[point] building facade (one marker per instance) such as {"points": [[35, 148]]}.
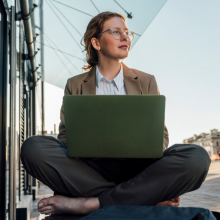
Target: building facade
{"points": [[210, 141], [20, 108]]}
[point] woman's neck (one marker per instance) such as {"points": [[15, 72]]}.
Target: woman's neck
{"points": [[109, 69]]}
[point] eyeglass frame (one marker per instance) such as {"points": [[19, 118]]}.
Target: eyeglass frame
{"points": [[132, 32]]}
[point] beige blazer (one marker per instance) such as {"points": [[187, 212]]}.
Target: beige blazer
{"points": [[136, 83]]}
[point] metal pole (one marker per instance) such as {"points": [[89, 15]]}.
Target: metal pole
{"points": [[42, 65], [32, 180], [12, 142], [3, 112], [34, 108], [25, 11], [32, 17]]}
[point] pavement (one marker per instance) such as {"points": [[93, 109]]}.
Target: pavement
{"points": [[43, 191], [207, 196]]}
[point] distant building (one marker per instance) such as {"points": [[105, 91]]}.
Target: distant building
{"points": [[210, 141], [52, 133]]}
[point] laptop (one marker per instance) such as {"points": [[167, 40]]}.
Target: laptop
{"points": [[114, 126]]}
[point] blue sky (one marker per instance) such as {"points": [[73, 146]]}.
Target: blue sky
{"points": [[181, 48]]}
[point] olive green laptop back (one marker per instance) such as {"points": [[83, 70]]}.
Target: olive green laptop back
{"points": [[114, 126]]}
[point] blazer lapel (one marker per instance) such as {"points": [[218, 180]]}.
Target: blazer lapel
{"points": [[132, 83]]}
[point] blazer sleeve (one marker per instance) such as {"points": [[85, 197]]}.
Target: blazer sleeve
{"points": [[153, 89], [62, 131]]}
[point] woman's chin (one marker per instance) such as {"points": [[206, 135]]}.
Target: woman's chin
{"points": [[124, 55]]}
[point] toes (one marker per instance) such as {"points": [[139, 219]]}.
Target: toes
{"points": [[165, 203], [46, 205], [46, 212], [168, 203], [40, 204], [173, 203], [46, 208], [177, 199], [43, 202]]}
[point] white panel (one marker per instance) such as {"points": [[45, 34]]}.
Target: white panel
{"points": [[58, 68]]}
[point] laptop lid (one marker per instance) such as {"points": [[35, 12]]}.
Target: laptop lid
{"points": [[114, 126]]}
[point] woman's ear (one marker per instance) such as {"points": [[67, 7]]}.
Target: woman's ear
{"points": [[95, 43]]}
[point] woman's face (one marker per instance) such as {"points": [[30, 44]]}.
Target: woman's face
{"points": [[109, 46]]}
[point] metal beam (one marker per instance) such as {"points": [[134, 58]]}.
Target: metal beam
{"points": [[25, 13], [42, 64], [3, 108], [12, 130]]}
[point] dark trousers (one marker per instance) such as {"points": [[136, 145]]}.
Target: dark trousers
{"points": [[182, 169]]}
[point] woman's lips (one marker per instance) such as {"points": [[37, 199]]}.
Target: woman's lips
{"points": [[123, 47]]}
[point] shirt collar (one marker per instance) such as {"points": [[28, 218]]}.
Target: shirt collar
{"points": [[119, 79]]}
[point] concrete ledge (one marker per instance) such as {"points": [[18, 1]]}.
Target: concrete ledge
{"points": [[24, 208]]}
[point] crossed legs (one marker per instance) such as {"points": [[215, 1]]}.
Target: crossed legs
{"points": [[182, 169]]}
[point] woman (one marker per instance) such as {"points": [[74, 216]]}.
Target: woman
{"points": [[83, 186]]}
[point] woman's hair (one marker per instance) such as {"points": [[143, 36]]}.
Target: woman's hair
{"points": [[95, 27]]}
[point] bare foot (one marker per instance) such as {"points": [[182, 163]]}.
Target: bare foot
{"points": [[65, 205], [171, 202]]}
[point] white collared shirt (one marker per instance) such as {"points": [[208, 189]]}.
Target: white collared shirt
{"points": [[114, 86]]}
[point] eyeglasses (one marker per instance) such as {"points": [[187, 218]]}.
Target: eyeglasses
{"points": [[117, 33]]}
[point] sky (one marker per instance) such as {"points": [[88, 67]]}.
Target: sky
{"points": [[181, 48]]}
